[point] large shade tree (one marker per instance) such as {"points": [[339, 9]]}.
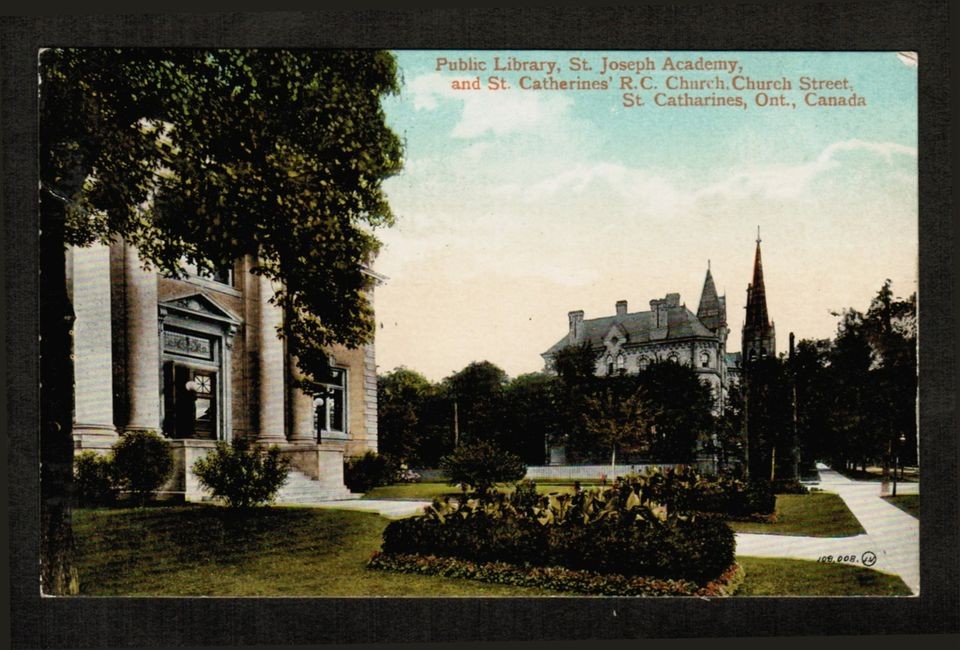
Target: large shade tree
{"points": [[203, 156]]}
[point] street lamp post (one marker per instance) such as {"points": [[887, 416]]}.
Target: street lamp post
{"points": [[896, 461]]}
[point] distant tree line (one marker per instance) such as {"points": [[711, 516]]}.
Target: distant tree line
{"points": [[849, 401], [663, 413], [857, 393]]}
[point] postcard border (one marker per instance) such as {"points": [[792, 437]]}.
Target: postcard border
{"points": [[85, 622]]}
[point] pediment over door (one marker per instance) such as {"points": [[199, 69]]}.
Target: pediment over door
{"points": [[198, 305]]}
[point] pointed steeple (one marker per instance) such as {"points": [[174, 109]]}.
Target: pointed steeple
{"points": [[709, 311], [758, 332]]}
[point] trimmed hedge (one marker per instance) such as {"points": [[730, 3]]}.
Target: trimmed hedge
{"points": [[558, 578]]}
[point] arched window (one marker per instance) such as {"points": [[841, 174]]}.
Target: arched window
{"points": [[644, 362], [673, 358], [609, 365], [621, 363], [704, 359]]}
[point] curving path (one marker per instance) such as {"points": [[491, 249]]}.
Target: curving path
{"points": [[892, 535], [385, 507]]}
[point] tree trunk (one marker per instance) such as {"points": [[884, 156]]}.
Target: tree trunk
{"points": [[58, 574]]}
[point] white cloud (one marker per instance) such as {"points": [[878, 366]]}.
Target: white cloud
{"points": [[790, 181], [483, 111], [657, 195]]}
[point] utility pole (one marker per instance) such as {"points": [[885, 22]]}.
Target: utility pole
{"points": [[794, 437], [456, 425]]}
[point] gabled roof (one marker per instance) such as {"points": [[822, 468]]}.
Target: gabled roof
{"points": [[640, 326], [202, 306]]}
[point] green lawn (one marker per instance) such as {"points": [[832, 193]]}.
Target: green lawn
{"points": [[909, 503], [208, 551], [819, 514], [776, 577]]}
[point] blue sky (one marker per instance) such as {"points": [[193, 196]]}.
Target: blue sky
{"points": [[517, 206]]}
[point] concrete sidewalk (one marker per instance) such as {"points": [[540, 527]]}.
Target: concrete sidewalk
{"points": [[384, 507], [891, 543]]}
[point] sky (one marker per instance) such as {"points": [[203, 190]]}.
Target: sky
{"points": [[517, 205]]}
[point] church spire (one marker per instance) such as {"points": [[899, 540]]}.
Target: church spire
{"points": [[709, 311], [758, 332]]}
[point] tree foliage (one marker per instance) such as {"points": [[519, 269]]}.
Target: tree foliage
{"points": [[477, 391], [400, 397], [856, 393], [683, 410], [620, 416], [206, 156]]}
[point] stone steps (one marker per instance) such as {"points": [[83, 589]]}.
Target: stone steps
{"points": [[300, 488]]}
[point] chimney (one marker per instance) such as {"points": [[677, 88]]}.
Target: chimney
{"points": [[673, 300], [576, 326], [658, 308], [621, 308]]}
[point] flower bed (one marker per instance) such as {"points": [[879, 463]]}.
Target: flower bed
{"points": [[558, 578]]}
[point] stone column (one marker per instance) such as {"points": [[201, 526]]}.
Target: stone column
{"points": [[271, 376], [143, 344], [301, 408], [93, 426]]}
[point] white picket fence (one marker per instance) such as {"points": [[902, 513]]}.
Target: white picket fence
{"points": [[581, 472], [542, 472]]}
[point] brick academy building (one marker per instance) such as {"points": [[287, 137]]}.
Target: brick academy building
{"points": [[199, 360], [628, 342]]}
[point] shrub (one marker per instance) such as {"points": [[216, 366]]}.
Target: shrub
{"points": [[480, 465], [683, 490], [242, 474], [371, 470], [94, 479], [142, 461]]}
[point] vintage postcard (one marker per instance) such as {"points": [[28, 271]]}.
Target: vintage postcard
{"points": [[376, 341], [484, 323]]}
